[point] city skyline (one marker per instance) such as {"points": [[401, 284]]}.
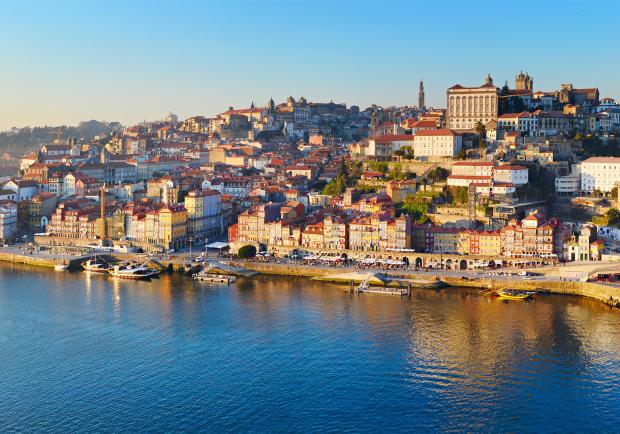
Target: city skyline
{"points": [[128, 63]]}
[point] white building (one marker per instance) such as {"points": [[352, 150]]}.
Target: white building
{"points": [[24, 189], [523, 122], [600, 173], [475, 168], [385, 145], [434, 145], [468, 105], [569, 184], [517, 175], [8, 220]]}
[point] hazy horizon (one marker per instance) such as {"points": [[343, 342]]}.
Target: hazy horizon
{"points": [[71, 61]]}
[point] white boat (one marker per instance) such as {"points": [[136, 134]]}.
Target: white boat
{"points": [[95, 267], [215, 278], [62, 265], [132, 271]]}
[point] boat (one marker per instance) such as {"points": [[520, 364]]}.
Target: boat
{"points": [[132, 271], [61, 267], [215, 278], [93, 266], [514, 294]]}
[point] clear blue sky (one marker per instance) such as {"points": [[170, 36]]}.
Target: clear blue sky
{"points": [[64, 61]]}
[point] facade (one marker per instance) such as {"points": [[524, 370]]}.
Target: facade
{"points": [[204, 214], [436, 145], [531, 237], [514, 174], [8, 220], [600, 173], [468, 105]]}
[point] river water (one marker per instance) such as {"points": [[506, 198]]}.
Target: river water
{"points": [[86, 353]]}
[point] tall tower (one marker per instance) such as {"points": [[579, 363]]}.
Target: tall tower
{"points": [[524, 82], [374, 123], [421, 95]]}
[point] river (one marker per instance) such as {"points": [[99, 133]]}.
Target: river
{"points": [[88, 353]]}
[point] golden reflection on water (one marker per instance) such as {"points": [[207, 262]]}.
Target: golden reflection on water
{"points": [[448, 327]]}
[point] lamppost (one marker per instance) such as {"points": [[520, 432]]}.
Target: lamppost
{"points": [[190, 239]]}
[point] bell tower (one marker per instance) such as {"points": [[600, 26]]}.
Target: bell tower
{"points": [[421, 104]]}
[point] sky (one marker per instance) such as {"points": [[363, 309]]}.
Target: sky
{"points": [[65, 61]]}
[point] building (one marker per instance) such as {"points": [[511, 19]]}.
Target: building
{"points": [[532, 237], [383, 146], [513, 174], [569, 184], [204, 214], [8, 220], [524, 82], [167, 227], [600, 173], [468, 105], [435, 145]]}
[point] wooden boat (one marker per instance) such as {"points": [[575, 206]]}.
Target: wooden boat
{"points": [[93, 266], [514, 294], [132, 271]]}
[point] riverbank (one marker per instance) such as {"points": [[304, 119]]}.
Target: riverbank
{"points": [[609, 294]]}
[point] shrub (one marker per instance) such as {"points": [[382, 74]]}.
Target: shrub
{"points": [[247, 251]]}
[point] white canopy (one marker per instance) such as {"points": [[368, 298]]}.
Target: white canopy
{"points": [[217, 245]]}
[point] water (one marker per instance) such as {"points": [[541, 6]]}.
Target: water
{"points": [[84, 354]]}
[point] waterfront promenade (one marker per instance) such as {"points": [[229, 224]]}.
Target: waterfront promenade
{"points": [[555, 279]]}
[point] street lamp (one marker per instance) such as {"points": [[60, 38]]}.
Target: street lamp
{"points": [[190, 239]]}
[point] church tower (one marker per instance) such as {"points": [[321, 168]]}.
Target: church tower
{"points": [[524, 82], [421, 104], [374, 123]]}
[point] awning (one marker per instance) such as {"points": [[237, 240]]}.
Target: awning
{"points": [[217, 245]]}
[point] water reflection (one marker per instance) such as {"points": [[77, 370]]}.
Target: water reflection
{"points": [[248, 356]]}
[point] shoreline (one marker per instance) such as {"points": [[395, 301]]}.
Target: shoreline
{"points": [[607, 294]]}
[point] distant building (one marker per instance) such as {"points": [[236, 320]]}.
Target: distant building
{"points": [[468, 105], [434, 145], [600, 173]]}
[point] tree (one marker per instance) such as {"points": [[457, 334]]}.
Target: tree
{"points": [[247, 251], [417, 209], [408, 152], [459, 195], [462, 155], [438, 174]]}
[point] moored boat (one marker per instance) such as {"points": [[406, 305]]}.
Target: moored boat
{"points": [[61, 267], [132, 271], [215, 278], [93, 266], [514, 294]]}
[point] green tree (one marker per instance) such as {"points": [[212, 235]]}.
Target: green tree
{"points": [[247, 251], [438, 174], [462, 155], [459, 195]]}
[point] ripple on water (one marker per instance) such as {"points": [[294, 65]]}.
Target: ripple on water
{"points": [[288, 354]]}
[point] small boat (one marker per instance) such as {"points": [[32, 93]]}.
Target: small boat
{"points": [[93, 266], [132, 271], [514, 294], [215, 278], [61, 267], [364, 286]]}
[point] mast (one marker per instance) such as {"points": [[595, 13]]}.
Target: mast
{"points": [[102, 234]]}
